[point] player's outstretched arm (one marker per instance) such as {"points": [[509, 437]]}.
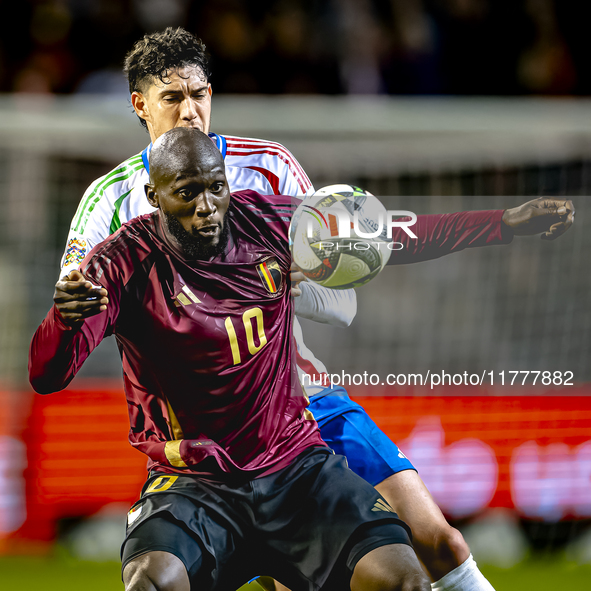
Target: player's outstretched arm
{"points": [[550, 216], [76, 298], [443, 234]]}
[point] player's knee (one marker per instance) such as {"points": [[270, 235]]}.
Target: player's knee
{"points": [[390, 568], [451, 547], [397, 581], [413, 581], [156, 571]]}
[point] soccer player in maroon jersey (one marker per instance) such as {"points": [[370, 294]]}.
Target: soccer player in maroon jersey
{"points": [[440, 547], [240, 481], [187, 101]]}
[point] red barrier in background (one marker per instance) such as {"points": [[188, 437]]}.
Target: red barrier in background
{"points": [[12, 462], [541, 447], [79, 459]]}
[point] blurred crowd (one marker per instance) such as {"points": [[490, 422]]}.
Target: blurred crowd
{"points": [[475, 47]]}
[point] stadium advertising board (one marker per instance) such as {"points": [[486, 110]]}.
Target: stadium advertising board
{"points": [[530, 454]]}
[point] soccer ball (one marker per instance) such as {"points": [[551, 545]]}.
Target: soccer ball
{"points": [[338, 237]]}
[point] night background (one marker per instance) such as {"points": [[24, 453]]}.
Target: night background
{"points": [[434, 106]]}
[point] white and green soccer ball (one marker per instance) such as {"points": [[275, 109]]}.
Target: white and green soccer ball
{"points": [[338, 237]]}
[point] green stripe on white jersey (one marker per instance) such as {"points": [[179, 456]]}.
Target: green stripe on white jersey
{"points": [[116, 220], [93, 196]]}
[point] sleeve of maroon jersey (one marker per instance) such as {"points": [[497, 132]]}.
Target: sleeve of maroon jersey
{"points": [[57, 350], [443, 234]]}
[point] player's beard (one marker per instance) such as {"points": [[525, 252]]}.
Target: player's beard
{"points": [[197, 247]]}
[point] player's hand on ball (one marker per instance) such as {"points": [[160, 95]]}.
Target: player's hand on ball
{"points": [[296, 278], [550, 216], [76, 298]]}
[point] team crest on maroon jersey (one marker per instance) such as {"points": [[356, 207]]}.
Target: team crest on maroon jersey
{"points": [[271, 276]]}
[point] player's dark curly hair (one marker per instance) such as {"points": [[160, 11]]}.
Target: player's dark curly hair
{"points": [[156, 55]]}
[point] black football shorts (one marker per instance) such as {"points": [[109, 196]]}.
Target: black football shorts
{"points": [[306, 525]]}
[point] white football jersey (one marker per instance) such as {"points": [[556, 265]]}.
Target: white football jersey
{"points": [[266, 167]]}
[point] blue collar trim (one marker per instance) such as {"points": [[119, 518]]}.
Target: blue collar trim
{"points": [[146, 157], [220, 142]]}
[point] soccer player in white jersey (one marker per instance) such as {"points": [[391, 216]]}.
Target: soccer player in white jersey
{"points": [[168, 77]]}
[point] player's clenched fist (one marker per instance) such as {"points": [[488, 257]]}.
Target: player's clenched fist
{"points": [[551, 216], [76, 298]]}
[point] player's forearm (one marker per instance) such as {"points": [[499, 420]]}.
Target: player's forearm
{"points": [[443, 234], [328, 306], [56, 354]]}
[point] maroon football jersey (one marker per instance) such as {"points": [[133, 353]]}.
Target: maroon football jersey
{"points": [[207, 346], [442, 234]]}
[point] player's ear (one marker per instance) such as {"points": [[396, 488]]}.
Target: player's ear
{"points": [[151, 195], [138, 102]]}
